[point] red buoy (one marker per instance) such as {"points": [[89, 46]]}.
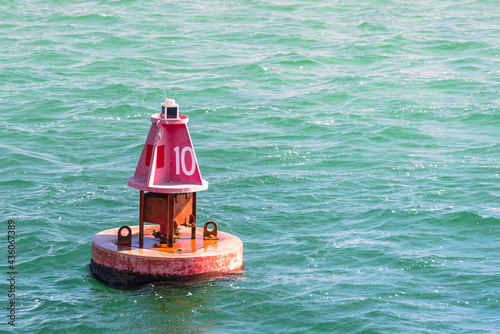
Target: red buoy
{"points": [[168, 177]]}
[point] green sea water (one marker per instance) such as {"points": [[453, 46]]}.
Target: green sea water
{"points": [[353, 146]]}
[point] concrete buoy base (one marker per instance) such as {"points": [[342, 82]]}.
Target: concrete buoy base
{"points": [[154, 262]]}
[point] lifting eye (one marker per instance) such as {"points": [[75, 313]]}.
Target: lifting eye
{"points": [[124, 239], [212, 233]]}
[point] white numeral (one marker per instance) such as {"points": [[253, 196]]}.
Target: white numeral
{"points": [[180, 161]]}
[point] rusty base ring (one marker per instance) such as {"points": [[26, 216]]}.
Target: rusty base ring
{"points": [[124, 279], [188, 259]]}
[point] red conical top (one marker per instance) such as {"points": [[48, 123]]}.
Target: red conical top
{"points": [[168, 163]]}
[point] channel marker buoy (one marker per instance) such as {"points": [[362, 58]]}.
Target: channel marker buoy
{"points": [[168, 178]]}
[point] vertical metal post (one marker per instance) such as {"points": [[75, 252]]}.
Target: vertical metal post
{"points": [[141, 219], [193, 227], [170, 220]]}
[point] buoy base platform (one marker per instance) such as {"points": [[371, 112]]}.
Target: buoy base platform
{"points": [[153, 262]]}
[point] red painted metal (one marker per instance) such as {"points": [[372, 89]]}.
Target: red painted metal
{"points": [[168, 163], [187, 257], [168, 177]]}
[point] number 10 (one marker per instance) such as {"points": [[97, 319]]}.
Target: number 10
{"points": [[180, 161]]}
